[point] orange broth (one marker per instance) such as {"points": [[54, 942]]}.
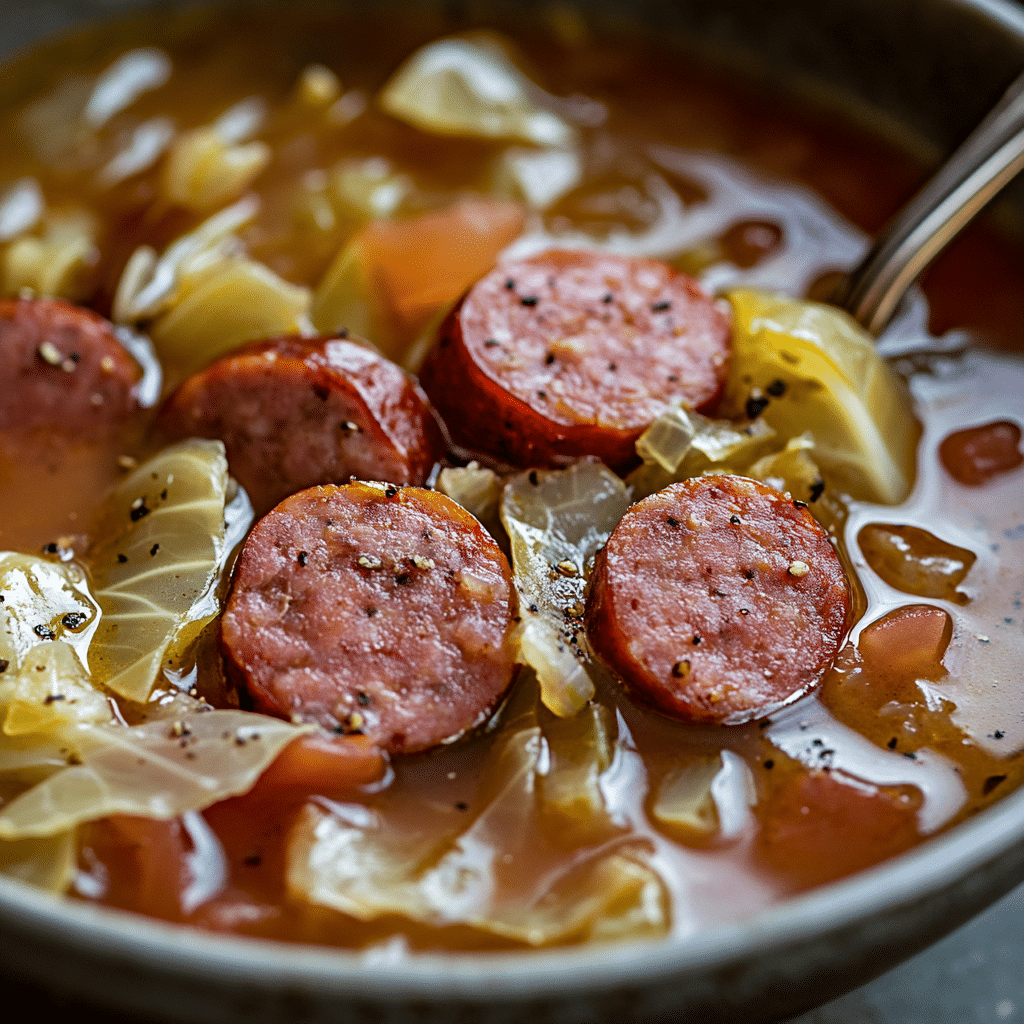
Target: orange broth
{"points": [[956, 687]]}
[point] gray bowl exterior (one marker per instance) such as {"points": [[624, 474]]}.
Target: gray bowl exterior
{"points": [[930, 68]]}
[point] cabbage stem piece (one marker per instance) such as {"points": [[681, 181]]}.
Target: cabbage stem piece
{"points": [[156, 569], [557, 520]]}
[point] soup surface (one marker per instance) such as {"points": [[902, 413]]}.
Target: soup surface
{"points": [[200, 198]]}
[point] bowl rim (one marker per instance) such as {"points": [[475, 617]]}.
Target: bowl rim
{"points": [[900, 882]]}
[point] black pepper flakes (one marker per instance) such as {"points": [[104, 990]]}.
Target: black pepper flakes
{"points": [[769, 764], [321, 392], [549, 358], [52, 698], [660, 307], [510, 284], [50, 549], [672, 521], [776, 389], [530, 300], [252, 860], [390, 491], [302, 558], [997, 735], [892, 743], [461, 805], [756, 404], [363, 699], [490, 343], [4, 664], [122, 558], [72, 620], [403, 578], [607, 297], [138, 509], [44, 632], [533, 477], [163, 494], [371, 611], [817, 489], [735, 520], [153, 550]]}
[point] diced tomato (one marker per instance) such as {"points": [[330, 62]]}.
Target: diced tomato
{"points": [[816, 826], [326, 765]]}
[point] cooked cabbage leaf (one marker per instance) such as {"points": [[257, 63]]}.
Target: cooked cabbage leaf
{"points": [[160, 769], [355, 860], [469, 87], [557, 521], [156, 568], [815, 369], [43, 600]]}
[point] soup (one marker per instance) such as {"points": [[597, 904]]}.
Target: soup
{"points": [[202, 203]]}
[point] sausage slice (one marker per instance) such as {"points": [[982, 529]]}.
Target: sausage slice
{"points": [[293, 412], [372, 609], [61, 366], [574, 353], [718, 600]]}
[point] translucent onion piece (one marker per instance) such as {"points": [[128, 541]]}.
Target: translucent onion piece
{"points": [[469, 87], [707, 799], [43, 600], [155, 570], [557, 520], [351, 860], [476, 489], [832, 383], [236, 300], [157, 770], [791, 470], [147, 144], [681, 443], [47, 863]]}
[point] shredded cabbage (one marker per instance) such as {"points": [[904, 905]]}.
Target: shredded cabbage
{"points": [[557, 520], [356, 860], [156, 568], [47, 863], [468, 86]]}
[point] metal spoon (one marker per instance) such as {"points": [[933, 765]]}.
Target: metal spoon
{"points": [[984, 164]]}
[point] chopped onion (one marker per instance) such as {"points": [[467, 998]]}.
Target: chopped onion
{"points": [[557, 520]]}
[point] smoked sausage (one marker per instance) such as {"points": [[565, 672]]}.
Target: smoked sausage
{"points": [[293, 412], [372, 609], [718, 600], [574, 353], [62, 367]]}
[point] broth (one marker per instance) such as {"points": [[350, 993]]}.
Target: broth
{"points": [[739, 185]]}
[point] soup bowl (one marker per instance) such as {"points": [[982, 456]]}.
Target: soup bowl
{"points": [[926, 70]]}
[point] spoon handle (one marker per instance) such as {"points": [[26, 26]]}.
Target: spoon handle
{"points": [[987, 161]]}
